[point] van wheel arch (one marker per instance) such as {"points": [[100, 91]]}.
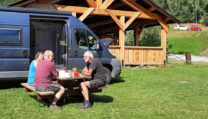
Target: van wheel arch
{"points": [[108, 66]]}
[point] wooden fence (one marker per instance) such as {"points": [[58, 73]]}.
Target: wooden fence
{"points": [[136, 55]]}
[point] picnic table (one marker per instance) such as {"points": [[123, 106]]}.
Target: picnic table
{"points": [[71, 85]]}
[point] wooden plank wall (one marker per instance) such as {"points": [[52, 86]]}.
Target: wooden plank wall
{"points": [[136, 55]]}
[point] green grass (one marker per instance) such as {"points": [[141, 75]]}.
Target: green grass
{"points": [[178, 91], [180, 41], [7, 2]]}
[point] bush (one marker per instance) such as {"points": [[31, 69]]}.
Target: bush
{"points": [[150, 36]]}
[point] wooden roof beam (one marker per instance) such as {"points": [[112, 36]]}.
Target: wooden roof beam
{"points": [[100, 23], [91, 3], [81, 10], [118, 22], [86, 13], [123, 26], [107, 3], [134, 16], [140, 8], [152, 9], [99, 3]]}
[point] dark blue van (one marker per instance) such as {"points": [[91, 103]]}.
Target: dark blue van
{"points": [[25, 31]]}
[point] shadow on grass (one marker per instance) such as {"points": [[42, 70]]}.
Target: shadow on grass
{"points": [[117, 80], [77, 99], [6, 84]]}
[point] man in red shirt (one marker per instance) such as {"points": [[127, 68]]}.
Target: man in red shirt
{"points": [[43, 78]]}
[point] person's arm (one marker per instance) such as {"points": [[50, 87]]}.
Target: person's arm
{"points": [[84, 70], [87, 73], [53, 70], [56, 74]]}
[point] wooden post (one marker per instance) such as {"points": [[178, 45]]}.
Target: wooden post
{"points": [[122, 40], [116, 42], [74, 14], [137, 31], [163, 43]]}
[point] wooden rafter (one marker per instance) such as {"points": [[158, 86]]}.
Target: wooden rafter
{"points": [[140, 8], [124, 25], [86, 13], [167, 19], [117, 5], [99, 3], [101, 23], [152, 9], [103, 12], [107, 3], [116, 19], [134, 16], [111, 28], [91, 3]]}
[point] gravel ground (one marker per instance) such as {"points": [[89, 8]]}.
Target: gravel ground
{"points": [[193, 58]]}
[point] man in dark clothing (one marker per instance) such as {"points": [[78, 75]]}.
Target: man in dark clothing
{"points": [[95, 69], [43, 78]]}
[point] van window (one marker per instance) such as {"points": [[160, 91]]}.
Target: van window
{"points": [[10, 36], [81, 38], [92, 41]]}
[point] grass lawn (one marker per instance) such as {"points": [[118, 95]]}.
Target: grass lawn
{"points": [[180, 41], [178, 91]]}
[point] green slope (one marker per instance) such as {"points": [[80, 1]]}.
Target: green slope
{"points": [[180, 41]]}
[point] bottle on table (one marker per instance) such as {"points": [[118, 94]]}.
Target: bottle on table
{"points": [[75, 72]]}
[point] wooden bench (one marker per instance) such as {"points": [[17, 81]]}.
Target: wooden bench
{"points": [[50, 94], [40, 95]]}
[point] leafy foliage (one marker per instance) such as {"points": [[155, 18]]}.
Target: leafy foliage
{"points": [[150, 37], [187, 10], [7, 2]]}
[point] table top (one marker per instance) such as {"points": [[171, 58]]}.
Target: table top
{"points": [[81, 76]]}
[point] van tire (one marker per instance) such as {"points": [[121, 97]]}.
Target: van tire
{"points": [[108, 75]]}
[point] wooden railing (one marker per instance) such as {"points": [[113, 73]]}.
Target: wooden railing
{"points": [[136, 55]]}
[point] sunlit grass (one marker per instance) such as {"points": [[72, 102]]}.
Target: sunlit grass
{"points": [[176, 91], [180, 41]]}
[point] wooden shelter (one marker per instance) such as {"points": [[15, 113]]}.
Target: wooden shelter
{"points": [[111, 18]]}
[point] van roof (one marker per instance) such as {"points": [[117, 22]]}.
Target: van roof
{"points": [[34, 10]]}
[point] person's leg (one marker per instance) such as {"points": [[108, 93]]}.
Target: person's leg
{"points": [[58, 95], [84, 87], [85, 92], [60, 91]]}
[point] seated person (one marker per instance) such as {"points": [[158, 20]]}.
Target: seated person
{"points": [[43, 78], [95, 69], [33, 65]]}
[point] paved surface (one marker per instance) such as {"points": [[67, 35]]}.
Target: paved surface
{"points": [[193, 58]]}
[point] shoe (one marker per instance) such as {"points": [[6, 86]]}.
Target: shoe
{"points": [[55, 107], [85, 105]]}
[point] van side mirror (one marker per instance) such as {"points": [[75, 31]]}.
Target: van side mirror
{"points": [[97, 46]]}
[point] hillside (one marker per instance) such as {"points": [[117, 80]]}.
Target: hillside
{"points": [[180, 41]]}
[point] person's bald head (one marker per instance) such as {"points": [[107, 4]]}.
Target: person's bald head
{"points": [[48, 55]]}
